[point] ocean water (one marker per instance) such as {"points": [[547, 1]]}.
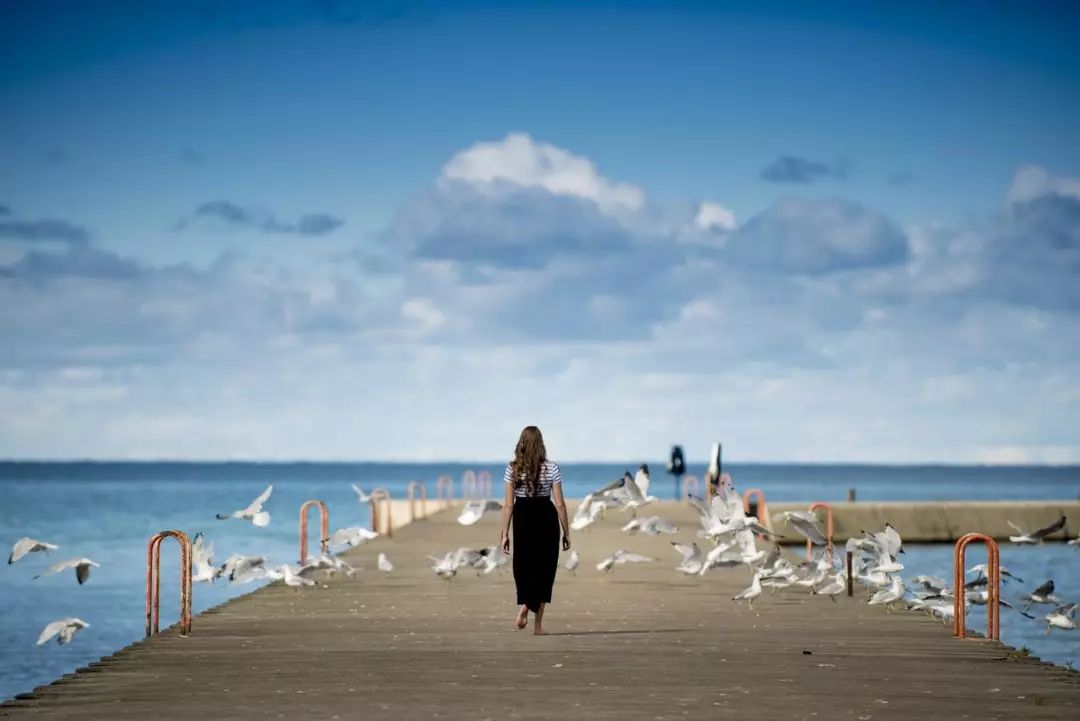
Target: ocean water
{"points": [[108, 511]]}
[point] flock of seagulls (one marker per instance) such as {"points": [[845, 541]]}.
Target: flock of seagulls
{"points": [[236, 569], [726, 537]]}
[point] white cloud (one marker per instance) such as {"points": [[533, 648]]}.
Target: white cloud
{"points": [[1032, 181], [522, 161], [713, 216]]}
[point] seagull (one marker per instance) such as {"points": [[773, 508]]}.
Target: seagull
{"points": [[1063, 617], [490, 559], [1044, 594], [982, 570], [981, 598], [64, 630], [652, 526], [202, 560], [242, 569], [641, 478], [1075, 542], [931, 584], [638, 498], [587, 513], [1024, 537], [621, 556], [81, 566], [804, 523], [328, 563], [833, 588], [722, 556], [890, 595], [28, 545], [750, 593], [691, 562], [384, 564], [286, 573], [253, 512], [352, 536], [360, 495], [573, 562], [474, 510], [444, 567]]}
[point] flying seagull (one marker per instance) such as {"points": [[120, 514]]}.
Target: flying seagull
{"points": [[1044, 594], [64, 630], [804, 523], [1063, 617], [474, 511], [1024, 537], [651, 526], [81, 566], [621, 556], [352, 536], [202, 560], [28, 545], [360, 495], [253, 512]]}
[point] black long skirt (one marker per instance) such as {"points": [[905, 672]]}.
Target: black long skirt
{"points": [[536, 550]]}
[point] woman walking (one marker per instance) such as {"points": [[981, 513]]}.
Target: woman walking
{"points": [[532, 482]]}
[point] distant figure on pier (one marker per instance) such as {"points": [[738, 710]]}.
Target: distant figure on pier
{"points": [[677, 466], [531, 483]]}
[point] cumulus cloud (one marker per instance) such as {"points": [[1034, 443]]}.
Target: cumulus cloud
{"points": [[795, 169], [1034, 181], [241, 217], [799, 235], [521, 161], [713, 216]]}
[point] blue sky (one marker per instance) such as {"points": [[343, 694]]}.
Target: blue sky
{"points": [[378, 230]]}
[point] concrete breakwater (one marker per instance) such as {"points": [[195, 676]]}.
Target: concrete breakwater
{"points": [[942, 521]]}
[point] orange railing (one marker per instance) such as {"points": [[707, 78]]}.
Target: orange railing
{"points": [[828, 531], [688, 483], [468, 484], [483, 480], [324, 528], [993, 567], [153, 581], [378, 497], [444, 488], [411, 492], [759, 495]]}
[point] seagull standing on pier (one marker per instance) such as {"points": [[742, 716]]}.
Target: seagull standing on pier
{"points": [[28, 545], [64, 630], [253, 512], [384, 563], [750, 593]]}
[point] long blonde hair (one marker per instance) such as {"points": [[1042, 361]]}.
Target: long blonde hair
{"points": [[529, 457]]}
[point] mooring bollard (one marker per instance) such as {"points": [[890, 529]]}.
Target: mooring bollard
{"points": [[444, 488], [483, 479], [759, 499], [378, 497], [324, 528], [153, 581], [993, 567], [411, 492], [468, 484], [688, 483], [828, 531]]}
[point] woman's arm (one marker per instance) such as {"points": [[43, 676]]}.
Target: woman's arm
{"points": [[508, 512], [560, 506]]}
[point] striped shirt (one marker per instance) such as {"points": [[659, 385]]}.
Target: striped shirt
{"points": [[549, 476]]}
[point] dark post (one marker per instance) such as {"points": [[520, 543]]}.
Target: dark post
{"points": [[850, 580], [851, 495]]}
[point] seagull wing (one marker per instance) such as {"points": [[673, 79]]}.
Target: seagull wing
{"points": [[631, 487], [82, 571], [257, 504], [58, 567], [51, 630], [689, 553], [633, 558], [360, 495], [1053, 527], [1019, 531]]}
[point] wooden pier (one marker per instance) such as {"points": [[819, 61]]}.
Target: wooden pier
{"points": [[640, 642]]}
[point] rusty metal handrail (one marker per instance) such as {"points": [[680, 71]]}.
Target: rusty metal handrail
{"points": [[993, 567], [444, 488], [468, 484], [411, 493], [153, 581], [829, 527], [760, 497], [687, 482], [483, 480], [378, 496], [324, 527]]}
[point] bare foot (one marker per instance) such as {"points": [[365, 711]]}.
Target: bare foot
{"points": [[523, 617], [537, 631]]}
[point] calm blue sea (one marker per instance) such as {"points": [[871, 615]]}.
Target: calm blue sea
{"points": [[107, 511]]}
